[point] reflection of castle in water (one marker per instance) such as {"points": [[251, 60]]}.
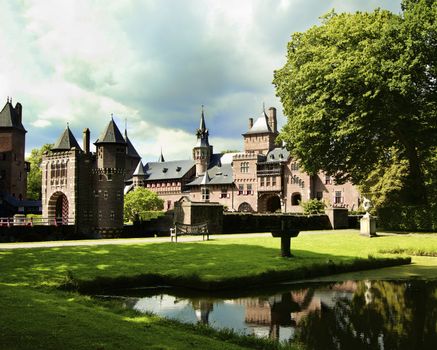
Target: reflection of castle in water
{"points": [[288, 309]]}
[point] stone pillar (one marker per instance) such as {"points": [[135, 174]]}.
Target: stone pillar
{"points": [[368, 226]]}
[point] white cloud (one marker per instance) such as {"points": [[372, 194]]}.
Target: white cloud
{"points": [[152, 62]]}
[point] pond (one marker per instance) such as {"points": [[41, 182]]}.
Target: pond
{"points": [[340, 315]]}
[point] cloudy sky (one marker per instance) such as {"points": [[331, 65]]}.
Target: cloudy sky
{"points": [[152, 63]]}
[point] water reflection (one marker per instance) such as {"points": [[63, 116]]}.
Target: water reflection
{"points": [[348, 315]]}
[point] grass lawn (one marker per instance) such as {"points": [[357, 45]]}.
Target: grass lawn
{"points": [[37, 315]]}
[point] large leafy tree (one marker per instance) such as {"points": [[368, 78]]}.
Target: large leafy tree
{"points": [[360, 94], [34, 177], [139, 202]]}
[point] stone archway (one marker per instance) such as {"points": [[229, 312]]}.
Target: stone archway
{"points": [[269, 203], [58, 209], [245, 207]]}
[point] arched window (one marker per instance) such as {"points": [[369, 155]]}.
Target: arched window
{"points": [[296, 198]]}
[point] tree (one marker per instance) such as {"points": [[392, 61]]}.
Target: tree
{"points": [[139, 202], [34, 177], [313, 206], [360, 94]]}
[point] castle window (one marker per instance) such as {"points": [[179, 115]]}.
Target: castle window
{"points": [[328, 180], [262, 184], [268, 181], [244, 167], [109, 177], [296, 198], [112, 215], [240, 189], [249, 189], [105, 194], [100, 177], [338, 197], [224, 192], [205, 194], [273, 180]]}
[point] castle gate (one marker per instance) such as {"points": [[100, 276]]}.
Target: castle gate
{"points": [[269, 203], [58, 208]]}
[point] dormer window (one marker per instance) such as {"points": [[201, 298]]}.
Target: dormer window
{"points": [[164, 170], [272, 156], [178, 168]]}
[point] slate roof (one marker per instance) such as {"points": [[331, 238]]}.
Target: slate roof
{"points": [[66, 141], [9, 117], [139, 170], [278, 154], [261, 125], [219, 172], [111, 134], [130, 150], [167, 170]]}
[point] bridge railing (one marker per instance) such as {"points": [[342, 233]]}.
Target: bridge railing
{"points": [[34, 221]]}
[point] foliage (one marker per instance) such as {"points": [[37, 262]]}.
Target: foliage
{"points": [[313, 206], [34, 177], [360, 94], [139, 203]]}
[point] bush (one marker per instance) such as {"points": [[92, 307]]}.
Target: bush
{"points": [[313, 206], [409, 218]]}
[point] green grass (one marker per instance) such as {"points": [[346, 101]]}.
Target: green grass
{"points": [[36, 314]]}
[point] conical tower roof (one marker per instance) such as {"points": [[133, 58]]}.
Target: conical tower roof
{"points": [[66, 141], [10, 118], [139, 170], [111, 134]]}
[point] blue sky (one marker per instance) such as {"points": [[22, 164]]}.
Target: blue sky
{"points": [[152, 63]]}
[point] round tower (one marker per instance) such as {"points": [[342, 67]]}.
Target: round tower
{"points": [[202, 151], [109, 180]]}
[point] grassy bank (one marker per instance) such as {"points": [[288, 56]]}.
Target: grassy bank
{"points": [[36, 314]]}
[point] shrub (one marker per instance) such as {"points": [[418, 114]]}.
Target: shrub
{"points": [[313, 206]]}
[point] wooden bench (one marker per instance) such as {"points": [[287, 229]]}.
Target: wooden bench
{"points": [[184, 229]]}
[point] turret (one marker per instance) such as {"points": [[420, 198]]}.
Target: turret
{"points": [[202, 151], [109, 180]]}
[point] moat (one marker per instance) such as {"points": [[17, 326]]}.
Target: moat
{"points": [[341, 315]]}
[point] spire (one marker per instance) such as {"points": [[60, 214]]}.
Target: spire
{"points": [[161, 158], [202, 126], [202, 133], [66, 141]]}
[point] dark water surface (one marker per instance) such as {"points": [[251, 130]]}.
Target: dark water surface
{"points": [[347, 315]]}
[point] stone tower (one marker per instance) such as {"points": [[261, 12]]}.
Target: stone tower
{"points": [[13, 168], [202, 151], [109, 176]]}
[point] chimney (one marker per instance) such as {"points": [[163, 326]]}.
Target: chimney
{"points": [[272, 119], [250, 123], [86, 141], [19, 111]]}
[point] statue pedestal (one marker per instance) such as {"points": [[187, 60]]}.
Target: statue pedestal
{"points": [[368, 226]]}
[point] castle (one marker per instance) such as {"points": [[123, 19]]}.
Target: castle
{"points": [[85, 188], [263, 178]]}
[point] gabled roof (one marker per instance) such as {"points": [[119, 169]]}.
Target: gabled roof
{"points": [[66, 141], [130, 150], [111, 134], [260, 126], [10, 118], [167, 170]]}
